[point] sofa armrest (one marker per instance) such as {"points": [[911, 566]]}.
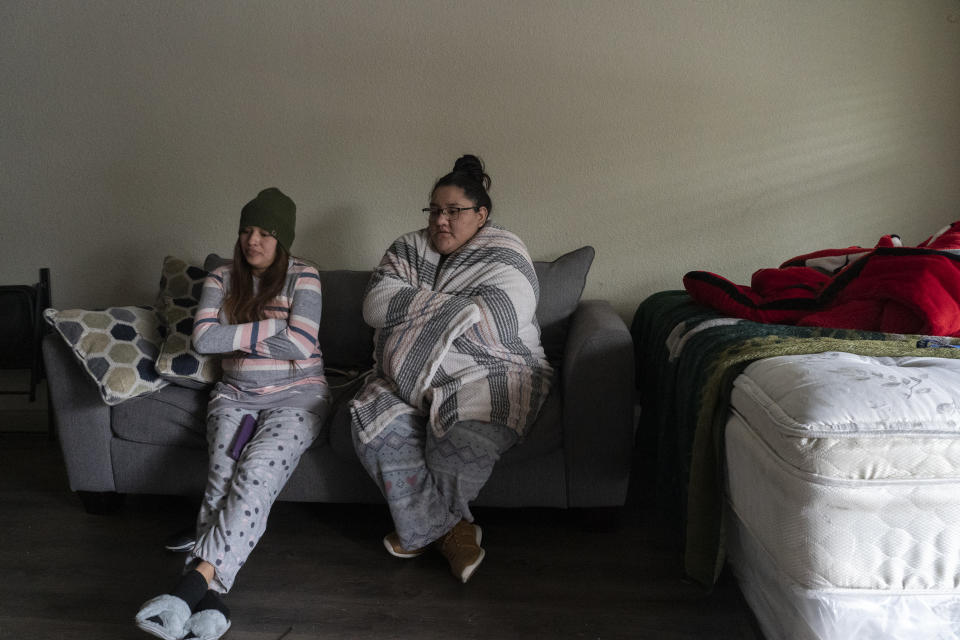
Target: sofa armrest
{"points": [[597, 376], [81, 418]]}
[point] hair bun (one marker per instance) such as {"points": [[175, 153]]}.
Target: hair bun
{"points": [[472, 166]]}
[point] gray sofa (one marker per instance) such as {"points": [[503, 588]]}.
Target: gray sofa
{"points": [[577, 454]]}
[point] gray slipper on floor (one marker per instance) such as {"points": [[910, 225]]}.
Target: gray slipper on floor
{"points": [[208, 624], [164, 617]]}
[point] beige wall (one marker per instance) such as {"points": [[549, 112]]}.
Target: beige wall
{"points": [[670, 135]]}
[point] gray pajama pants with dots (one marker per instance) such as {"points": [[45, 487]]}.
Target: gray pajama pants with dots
{"points": [[240, 493], [428, 482]]}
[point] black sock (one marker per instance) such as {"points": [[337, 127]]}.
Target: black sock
{"points": [[211, 600], [191, 588]]}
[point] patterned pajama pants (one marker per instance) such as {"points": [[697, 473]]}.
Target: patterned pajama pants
{"points": [[240, 493], [427, 481]]}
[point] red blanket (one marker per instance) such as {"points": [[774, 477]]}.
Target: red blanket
{"points": [[889, 288]]}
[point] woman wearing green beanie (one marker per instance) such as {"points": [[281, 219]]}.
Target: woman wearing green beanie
{"points": [[261, 313]]}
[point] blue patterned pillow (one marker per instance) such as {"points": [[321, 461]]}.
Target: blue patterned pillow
{"points": [[180, 288], [116, 346]]}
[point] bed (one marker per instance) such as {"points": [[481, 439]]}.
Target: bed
{"points": [[821, 465]]}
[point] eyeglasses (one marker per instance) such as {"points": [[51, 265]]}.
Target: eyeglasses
{"points": [[452, 213]]}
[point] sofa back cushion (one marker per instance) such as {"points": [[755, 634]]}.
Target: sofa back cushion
{"points": [[345, 339]]}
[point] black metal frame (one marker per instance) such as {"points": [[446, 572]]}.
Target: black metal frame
{"points": [[34, 299]]}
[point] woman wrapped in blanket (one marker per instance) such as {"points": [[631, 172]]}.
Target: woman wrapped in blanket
{"points": [[460, 373], [262, 313]]}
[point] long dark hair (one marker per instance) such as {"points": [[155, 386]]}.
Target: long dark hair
{"points": [[468, 174], [241, 305]]}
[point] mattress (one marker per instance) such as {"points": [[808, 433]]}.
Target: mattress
{"points": [[843, 491]]}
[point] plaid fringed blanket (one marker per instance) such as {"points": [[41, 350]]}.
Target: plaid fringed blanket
{"points": [[456, 340], [687, 358]]}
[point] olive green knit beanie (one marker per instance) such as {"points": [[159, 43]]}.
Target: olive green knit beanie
{"points": [[273, 212]]}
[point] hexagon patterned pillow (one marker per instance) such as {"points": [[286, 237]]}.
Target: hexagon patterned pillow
{"points": [[180, 288], [116, 346]]}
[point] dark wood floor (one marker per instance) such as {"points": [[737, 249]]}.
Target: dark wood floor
{"points": [[321, 569]]}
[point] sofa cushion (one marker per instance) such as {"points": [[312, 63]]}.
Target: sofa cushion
{"points": [[561, 284], [348, 343], [180, 286], [178, 418], [173, 416], [545, 435], [116, 346]]}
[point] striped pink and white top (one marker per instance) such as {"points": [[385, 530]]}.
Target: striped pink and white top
{"points": [[275, 361]]}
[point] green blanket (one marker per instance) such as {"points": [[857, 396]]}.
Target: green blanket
{"points": [[684, 400]]}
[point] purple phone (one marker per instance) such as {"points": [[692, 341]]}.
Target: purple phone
{"points": [[244, 433]]}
